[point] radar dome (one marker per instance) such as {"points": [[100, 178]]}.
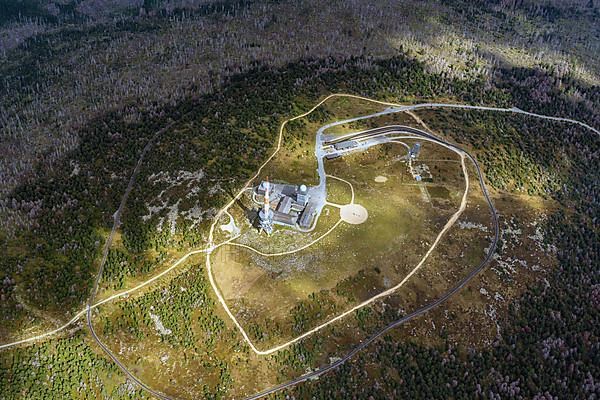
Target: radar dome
{"points": [[303, 188]]}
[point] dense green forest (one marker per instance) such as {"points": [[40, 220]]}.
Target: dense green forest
{"points": [[62, 368]]}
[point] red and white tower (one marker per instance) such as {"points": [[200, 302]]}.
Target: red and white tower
{"points": [[266, 214]]}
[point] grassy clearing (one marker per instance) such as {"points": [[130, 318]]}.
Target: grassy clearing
{"points": [[352, 264]]}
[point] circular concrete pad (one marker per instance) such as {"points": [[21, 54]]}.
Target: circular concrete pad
{"points": [[353, 214], [381, 179]]}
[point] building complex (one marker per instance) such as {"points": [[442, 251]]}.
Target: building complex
{"points": [[284, 204]]}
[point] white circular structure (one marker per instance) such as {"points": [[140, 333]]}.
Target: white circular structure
{"points": [[353, 214], [303, 188]]}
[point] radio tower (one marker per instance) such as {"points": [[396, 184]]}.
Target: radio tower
{"points": [[266, 214]]}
